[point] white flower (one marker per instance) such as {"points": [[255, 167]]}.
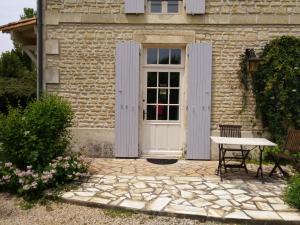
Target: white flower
{"points": [[34, 184], [29, 167], [26, 187], [6, 177], [9, 164]]}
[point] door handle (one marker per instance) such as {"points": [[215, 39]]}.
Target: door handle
{"points": [[144, 113]]}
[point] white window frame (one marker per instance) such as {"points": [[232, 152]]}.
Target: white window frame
{"points": [[164, 68], [168, 66], [165, 8]]}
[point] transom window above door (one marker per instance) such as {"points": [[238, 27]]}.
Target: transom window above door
{"points": [[164, 6], [162, 56]]}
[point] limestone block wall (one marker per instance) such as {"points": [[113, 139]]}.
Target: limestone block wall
{"points": [[85, 33], [219, 7], [87, 73]]}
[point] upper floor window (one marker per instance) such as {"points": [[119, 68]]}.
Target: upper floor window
{"points": [[164, 6]]}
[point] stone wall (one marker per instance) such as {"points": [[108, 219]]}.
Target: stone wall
{"points": [[81, 37], [87, 74], [219, 7]]}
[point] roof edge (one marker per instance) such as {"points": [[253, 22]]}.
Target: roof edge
{"points": [[15, 25]]}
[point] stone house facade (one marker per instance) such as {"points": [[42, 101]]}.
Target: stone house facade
{"points": [[151, 53]]}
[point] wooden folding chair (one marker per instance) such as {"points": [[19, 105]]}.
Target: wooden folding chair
{"points": [[238, 154], [289, 151]]}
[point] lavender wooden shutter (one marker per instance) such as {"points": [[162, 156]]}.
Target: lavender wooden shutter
{"points": [[199, 100], [127, 94], [195, 7], [134, 6]]}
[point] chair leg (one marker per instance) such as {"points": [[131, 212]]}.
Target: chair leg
{"points": [[282, 171], [277, 162], [272, 171], [224, 163], [245, 155]]}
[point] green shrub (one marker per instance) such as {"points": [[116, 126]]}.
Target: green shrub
{"points": [[292, 194], [37, 135], [267, 153], [276, 85]]}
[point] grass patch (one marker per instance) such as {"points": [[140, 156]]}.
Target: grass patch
{"points": [[118, 213], [26, 204], [256, 162]]}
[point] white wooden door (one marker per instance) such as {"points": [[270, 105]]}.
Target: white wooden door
{"points": [[162, 133], [162, 102]]}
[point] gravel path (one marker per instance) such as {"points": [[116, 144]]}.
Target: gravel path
{"points": [[61, 213]]}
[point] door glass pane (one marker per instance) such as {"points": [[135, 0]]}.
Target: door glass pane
{"points": [[176, 56], [162, 112], [151, 112], [156, 6], [174, 79], [163, 79], [163, 96], [174, 96], [163, 56], [152, 79], [152, 56], [151, 96], [172, 6], [173, 112]]}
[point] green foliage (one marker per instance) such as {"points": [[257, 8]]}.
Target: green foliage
{"points": [[17, 79], [37, 135], [268, 151], [17, 75], [244, 78], [292, 194], [276, 85], [28, 13]]}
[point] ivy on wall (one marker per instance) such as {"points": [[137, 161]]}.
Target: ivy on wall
{"points": [[244, 78], [276, 85]]}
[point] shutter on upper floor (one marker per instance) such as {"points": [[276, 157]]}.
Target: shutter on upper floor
{"points": [[194, 7], [134, 6]]}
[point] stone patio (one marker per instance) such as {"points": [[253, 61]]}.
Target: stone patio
{"points": [[188, 188]]}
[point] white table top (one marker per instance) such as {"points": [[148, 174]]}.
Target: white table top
{"points": [[242, 141]]}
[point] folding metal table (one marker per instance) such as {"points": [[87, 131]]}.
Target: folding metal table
{"points": [[261, 143]]}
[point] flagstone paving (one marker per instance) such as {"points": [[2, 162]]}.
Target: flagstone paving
{"points": [[169, 193]]}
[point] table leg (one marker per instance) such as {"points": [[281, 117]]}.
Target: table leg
{"points": [[260, 170], [219, 172]]}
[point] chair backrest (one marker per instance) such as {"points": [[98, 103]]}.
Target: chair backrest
{"points": [[292, 143], [230, 131]]}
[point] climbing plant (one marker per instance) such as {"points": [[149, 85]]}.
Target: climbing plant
{"points": [[244, 76], [276, 85]]}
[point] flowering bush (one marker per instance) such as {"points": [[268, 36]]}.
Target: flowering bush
{"points": [[28, 181], [33, 143]]}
